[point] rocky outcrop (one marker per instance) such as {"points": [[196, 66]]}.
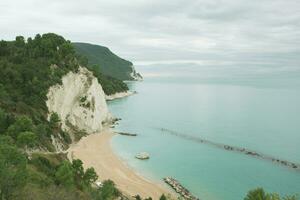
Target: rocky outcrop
{"points": [[143, 156], [185, 193], [127, 134], [79, 102], [58, 143], [119, 95], [135, 75]]}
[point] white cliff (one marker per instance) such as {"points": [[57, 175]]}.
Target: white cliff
{"points": [[135, 75], [79, 102]]}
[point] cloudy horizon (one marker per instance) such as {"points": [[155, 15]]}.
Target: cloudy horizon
{"points": [[265, 32]]}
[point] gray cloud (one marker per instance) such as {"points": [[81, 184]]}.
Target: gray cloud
{"points": [[265, 32]]}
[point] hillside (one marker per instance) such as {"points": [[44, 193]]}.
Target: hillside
{"points": [[109, 63], [30, 167]]}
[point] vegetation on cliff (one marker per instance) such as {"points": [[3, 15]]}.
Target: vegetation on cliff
{"points": [[28, 68], [106, 61], [112, 85]]}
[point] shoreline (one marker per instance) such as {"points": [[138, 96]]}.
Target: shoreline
{"points": [[119, 95], [95, 151]]}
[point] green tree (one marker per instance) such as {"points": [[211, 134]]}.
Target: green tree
{"points": [[260, 194], [257, 194], [108, 191], [54, 120], [20, 41], [3, 48], [290, 197], [90, 176], [163, 197], [65, 175], [22, 124], [3, 120], [13, 174], [5, 139], [42, 131], [3, 93], [78, 168], [26, 139]]}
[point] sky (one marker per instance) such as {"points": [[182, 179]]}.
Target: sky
{"points": [[209, 32]]}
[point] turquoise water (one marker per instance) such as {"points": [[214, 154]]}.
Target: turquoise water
{"points": [[256, 108]]}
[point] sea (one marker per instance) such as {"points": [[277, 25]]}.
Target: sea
{"points": [[253, 107]]}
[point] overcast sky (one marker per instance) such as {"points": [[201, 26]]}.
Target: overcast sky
{"points": [[249, 32]]}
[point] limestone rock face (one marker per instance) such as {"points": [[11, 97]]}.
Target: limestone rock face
{"points": [[135, 75], [119, 95], [79, 102]]}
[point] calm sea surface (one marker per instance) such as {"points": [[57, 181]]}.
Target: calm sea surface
{"points": [[255, 108]]}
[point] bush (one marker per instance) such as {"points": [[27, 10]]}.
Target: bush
{"points": [[26, 139], [13, 173], [65, 175], [5, 139], [260, 194], [3, 121], [54, 120], [44, 165], [163, 197], [108, 191], [66, 137], [22, 124]]}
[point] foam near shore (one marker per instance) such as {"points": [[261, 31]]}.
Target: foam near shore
{"points": [[95, 151]]}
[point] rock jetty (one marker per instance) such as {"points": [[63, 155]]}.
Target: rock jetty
{"points": [[226, 147], [182, 191], [127, 134]]}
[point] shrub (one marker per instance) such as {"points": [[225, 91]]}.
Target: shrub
{"points": [[65, 175], [13, 173], [26, 139], [260, 194], [22, 124]]}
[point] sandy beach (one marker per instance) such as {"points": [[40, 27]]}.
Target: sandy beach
{"points": [[95, 151]]}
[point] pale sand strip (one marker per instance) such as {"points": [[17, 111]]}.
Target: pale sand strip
{"points": [[95, 151]]}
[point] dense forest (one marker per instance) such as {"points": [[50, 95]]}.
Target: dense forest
{"points": [[106, 61]]}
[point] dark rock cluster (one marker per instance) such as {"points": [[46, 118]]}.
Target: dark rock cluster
{"points": [[185, 193], [127, 134]]}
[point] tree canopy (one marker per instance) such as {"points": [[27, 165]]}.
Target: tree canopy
{"points": [[106, 61], [13, 173], [28, 68], [260, 194]]}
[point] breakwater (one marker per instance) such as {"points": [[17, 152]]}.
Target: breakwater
{"points": [[185, 193], [127, 134], [226, 147]]}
